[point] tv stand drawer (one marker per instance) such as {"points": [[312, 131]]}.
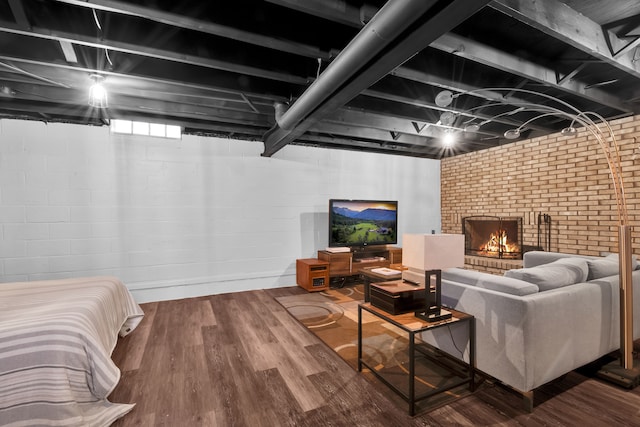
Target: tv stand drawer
{"points": [[339, 263], [359, 265], [351, 263]]}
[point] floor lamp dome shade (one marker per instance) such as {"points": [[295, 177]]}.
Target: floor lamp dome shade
{"points": [[472, 127], [597, 129], [512, 134], [447, 118], [569, 131], [444, 98]]}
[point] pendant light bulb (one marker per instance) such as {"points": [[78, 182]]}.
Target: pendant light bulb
{"points": [[97, 92]]}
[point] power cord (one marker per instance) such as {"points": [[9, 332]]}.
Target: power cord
{"points": [[454, 342]]}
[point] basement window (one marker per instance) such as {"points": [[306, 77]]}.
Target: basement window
{"points": [[146, 129]]}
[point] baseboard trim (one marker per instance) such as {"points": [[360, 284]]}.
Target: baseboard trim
{"points": [[163, 290]]}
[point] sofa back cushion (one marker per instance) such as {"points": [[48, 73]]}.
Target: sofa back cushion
{"points": [[606, 266], [536, 258], [556, 274], [502, 284]]}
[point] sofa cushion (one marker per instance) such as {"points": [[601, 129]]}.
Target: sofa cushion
{"points": [[502, 284], [556, 274], [536, 258], [606, 266]]}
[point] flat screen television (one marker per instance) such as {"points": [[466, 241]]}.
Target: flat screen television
{"points": [[356, 223]]}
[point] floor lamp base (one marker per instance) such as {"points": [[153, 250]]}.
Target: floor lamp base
{"points": [[615, 373]]}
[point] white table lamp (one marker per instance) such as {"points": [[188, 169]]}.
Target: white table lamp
{"points": [[425, 256]]}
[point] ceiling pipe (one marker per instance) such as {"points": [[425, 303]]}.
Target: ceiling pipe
{"points": [[280, 108], [335, 87], [390, 21]]}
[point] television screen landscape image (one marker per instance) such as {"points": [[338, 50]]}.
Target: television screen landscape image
{"points": [[362, 222]]}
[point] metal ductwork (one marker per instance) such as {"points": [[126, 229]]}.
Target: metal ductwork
{"points": [[383, 28], [397, 32], [280, 108]]}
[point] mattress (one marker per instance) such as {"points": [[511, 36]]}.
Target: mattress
{"points": [[56, 341]]}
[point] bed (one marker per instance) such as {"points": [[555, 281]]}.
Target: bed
{"points": [[56, 341]]}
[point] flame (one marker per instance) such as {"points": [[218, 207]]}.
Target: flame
{"points": [[498, 243]]}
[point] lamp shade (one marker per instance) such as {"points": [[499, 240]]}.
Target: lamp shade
{"points": [[432, 251]]}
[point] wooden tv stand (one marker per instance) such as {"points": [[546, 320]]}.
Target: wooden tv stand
{"points": [[343, 264]]}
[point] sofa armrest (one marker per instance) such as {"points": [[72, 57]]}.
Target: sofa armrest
{"points": [[530, 340]]}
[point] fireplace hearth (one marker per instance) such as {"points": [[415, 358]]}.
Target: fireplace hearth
{"points": [[493, 237]]}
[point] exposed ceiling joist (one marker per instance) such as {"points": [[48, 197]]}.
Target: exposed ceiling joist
{"points": [[529, 70], [181, 21], [401, 49], [333, 10], [376, 147], [220, 68], [138, 50], [18, 12], [389, 124], [560, 21]]}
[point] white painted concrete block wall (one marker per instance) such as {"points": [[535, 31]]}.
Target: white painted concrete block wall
{"points": [[183, 218]]}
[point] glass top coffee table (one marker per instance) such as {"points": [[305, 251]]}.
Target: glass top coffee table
{"points": [[462, 372]]}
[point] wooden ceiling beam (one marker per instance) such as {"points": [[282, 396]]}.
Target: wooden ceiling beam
{"points": [[17, 9], [467, 114], [367, 133], [503, 61], [182, 21], [370, 146], [558, 20], [71, 76], [333, 10], [430, 79], [146, 51], [65, 99], [472, 50], [435, 151], [387, 137], [388, 123]]}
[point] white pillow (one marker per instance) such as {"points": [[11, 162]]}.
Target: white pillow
{"points": [[502, 284], [556, 274], [607, 266]]}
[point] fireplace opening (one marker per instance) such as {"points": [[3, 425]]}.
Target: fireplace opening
{"points": [[492, 236]]}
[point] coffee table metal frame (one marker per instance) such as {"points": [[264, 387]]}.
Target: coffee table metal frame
{"points": [[413, 326]]}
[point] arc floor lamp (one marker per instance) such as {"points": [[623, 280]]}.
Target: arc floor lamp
{"points": [[623, 373]]}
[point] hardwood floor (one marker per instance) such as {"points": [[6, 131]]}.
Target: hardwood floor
{"points": [[241, 360]]}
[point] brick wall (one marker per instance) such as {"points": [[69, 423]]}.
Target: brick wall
{"points": [[563, 176]]}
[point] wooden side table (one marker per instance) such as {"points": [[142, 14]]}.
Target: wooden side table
{"points": [[312, 274], [412, 326]]}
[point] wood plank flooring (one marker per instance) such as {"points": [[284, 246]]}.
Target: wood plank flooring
{"points": [[240, 359]]}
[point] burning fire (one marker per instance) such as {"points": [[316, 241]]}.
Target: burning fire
{"points": [[498, 243]]}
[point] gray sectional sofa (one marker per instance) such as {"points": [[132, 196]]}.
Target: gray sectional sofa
{"points": [[540, 322]]}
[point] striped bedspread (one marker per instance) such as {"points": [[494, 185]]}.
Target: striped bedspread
{"points": [[56, 341]]}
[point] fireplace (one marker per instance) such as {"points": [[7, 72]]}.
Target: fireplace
{"points": [[492, 236]]}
